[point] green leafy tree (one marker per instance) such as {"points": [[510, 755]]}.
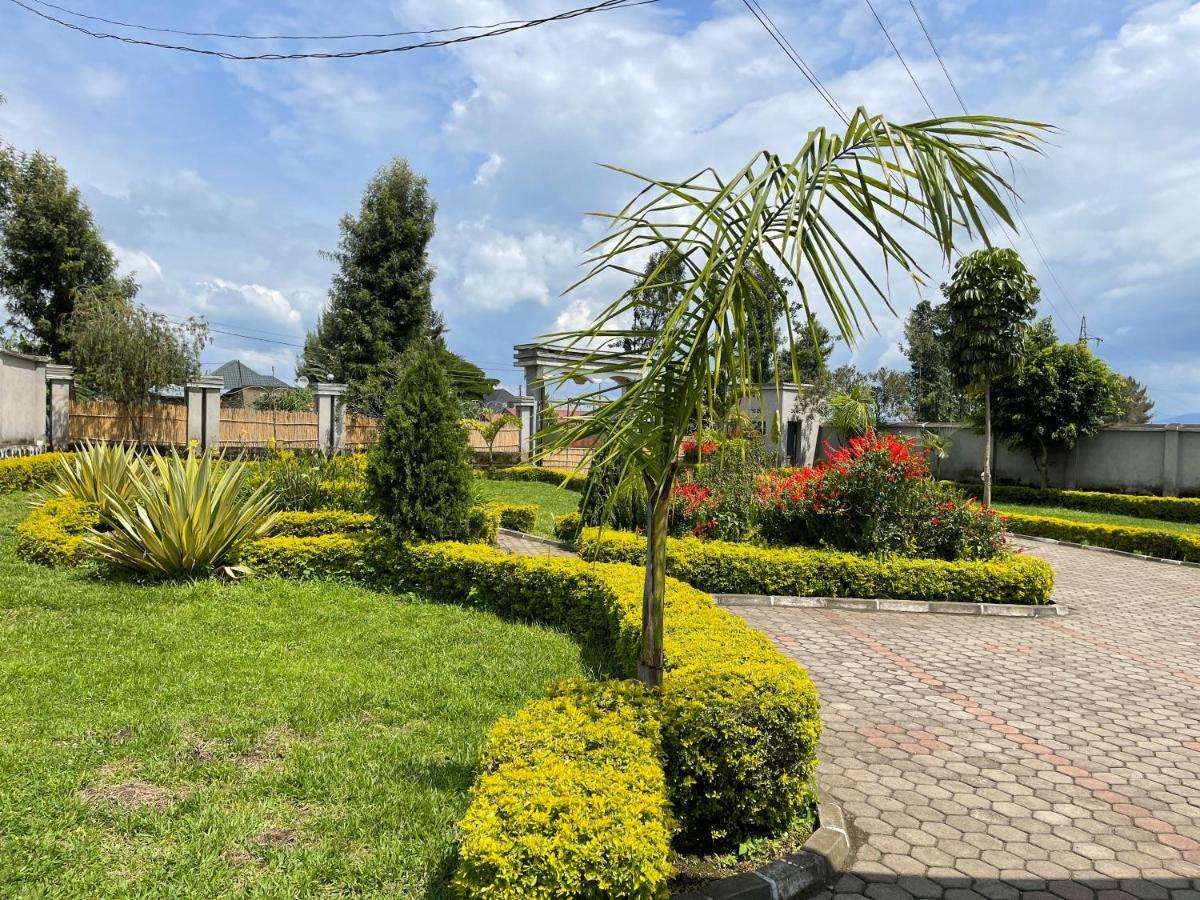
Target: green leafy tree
{"points": [[418, 472], [381, 297], [1059, 394], [813, 343], [892, 391], [928, 178], [51, 253], [1136, 406], [127, 353], [656, 292], [991, 299], [935, 396], [285, 400]]}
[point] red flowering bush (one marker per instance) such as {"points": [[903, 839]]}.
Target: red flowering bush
{"points": [[695, 449], [874, 495]]}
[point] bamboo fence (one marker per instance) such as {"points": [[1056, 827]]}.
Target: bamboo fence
{"points": [[103, 420], [262, 427]]}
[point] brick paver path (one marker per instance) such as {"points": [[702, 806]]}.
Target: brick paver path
{"points": [[1031, 758]]}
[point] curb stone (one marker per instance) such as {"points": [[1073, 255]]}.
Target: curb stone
{"points": [[822, 856], [883, 604], [1126, 553]]}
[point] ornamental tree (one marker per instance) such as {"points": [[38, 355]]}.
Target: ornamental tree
{"points": [[1059, 394], [991, 299], [418, 472], [866, 187]]}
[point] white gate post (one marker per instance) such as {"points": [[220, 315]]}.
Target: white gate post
{"points": [[203, 397], [331, 416], [58, 382], [526, 412]]}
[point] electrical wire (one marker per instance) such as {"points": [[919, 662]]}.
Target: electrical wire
{"points": [[603, 6], [267, 37], [794, 56], [900, 56]]}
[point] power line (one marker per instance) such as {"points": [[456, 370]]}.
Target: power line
{"points": [[268, 37], [1016, 204], [900, 56], [794, 56], [603, 6]]}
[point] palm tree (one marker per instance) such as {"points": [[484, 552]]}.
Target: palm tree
{"points": [[803, 216], [852, 412]]}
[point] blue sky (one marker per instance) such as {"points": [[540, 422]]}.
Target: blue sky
{"points": [[218, 182]]}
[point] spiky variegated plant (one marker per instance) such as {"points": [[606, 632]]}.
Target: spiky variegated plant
{"points": [[187, 515], [93, 472], [876, 185]]}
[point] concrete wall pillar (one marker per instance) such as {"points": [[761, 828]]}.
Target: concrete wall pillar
{"points": [[203, 398], [58, 382], [1170, 482], [331, 416], [526, 408], [535, 389]]}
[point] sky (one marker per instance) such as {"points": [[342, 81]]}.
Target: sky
{"points": [[220, 182]]}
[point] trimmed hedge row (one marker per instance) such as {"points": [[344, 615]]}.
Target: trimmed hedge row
{"points": [[728, 568], [322, 521], [572, 481], [1147, 541], [1141, 506], [568, 526], [517, 516], [53, 533], [21, 473]]}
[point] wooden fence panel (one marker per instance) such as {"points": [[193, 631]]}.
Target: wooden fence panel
{"points": [[103, 420], [361, 431], [507, 441], [256, 428], [571, 458]]}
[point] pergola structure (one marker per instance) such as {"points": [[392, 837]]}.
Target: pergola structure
{"points": [[542, 363]]}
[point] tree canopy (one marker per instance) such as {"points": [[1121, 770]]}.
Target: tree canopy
{"points": [[935, 396], [1136, 406], [1059, 394], [51, 253], [380, 300]]}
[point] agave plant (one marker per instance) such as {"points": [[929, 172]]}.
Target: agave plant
{"points": [[187, 515], [91, 474]]}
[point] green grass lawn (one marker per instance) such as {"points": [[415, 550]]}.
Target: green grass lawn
{"points": [[1094, 518], [550, 499], [266, 739]]}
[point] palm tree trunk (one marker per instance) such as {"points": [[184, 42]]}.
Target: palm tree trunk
{"points": [[650, 659], [987, 443]]}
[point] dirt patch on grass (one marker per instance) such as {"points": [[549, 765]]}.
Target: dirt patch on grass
{"points": [[131, 796], [273, 745], [238, 857], [278, 837]]}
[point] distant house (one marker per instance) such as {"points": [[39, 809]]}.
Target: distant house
{"points": [[243, 385], [500, 401]]}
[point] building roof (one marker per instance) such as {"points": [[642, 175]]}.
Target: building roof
{"points": [[237, 375]]}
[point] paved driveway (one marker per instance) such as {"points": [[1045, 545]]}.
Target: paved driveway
{"points": [[984, 757]]}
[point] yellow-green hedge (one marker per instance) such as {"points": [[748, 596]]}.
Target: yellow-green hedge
{"points": [[1147, 541], [321, 521], [739, 721], [335, 555], [572, 481], [517, 516], [568, 526], [22, 473], [571, 802], [53, 533], [1141, 506], [729, 568], [345, 494]]}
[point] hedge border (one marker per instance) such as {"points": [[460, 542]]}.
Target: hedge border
{"points": [[1111, 552], [23, 473], [572, 481], [1139, 506], [1147, 542], [719, 567]]}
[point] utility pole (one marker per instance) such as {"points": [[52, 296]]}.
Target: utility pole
{"points": [[1084, 337]]}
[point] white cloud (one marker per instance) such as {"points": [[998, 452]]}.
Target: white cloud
{"points": [[102, 84], [138, 263], [217, 295], [488, 169]]}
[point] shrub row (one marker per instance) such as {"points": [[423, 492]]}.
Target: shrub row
{"points": [[22, 473], [53, 533], [726, 568], [1147, 541], [739, 721], [517, 516], [571, 802], [1141, 506], [572, 481], [568, 526], [321, 521]]}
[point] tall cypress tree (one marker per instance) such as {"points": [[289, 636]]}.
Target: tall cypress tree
{"points": [[381, 297]]}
